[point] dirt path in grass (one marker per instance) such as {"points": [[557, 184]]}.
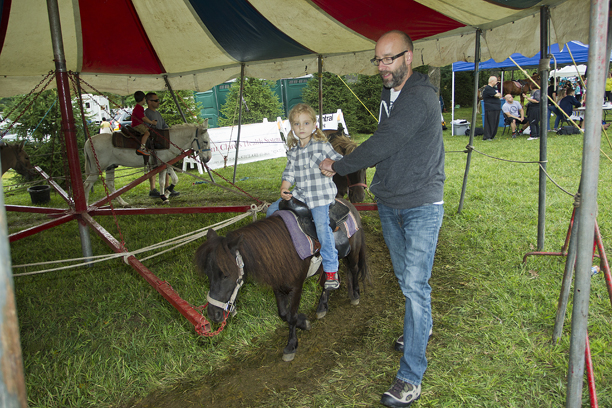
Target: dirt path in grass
{"points": [[248, 381]]}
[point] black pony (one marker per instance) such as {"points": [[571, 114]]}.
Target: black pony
{"points": [[265, 250], [355, 183]]}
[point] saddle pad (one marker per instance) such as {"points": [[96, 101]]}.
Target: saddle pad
{"points": [[161, 139], [304, 245], [350, 225]]}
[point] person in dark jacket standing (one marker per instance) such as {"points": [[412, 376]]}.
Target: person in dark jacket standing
{"points": [[408, 152], [492, 108]]}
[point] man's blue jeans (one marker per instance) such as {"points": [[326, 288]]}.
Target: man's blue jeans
{"points": [[320, 215], [411, 236]]}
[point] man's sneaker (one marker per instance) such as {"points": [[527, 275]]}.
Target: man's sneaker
{"points": [[532, 138], [154, 193], [174, 193], [401, 394], [399, 343], [331, 281]]}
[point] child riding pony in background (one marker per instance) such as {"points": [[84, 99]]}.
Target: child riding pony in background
{"points": [[308, 146], [139, 119]]}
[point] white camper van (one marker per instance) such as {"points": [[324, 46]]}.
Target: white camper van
{"points": [[97, 107]]}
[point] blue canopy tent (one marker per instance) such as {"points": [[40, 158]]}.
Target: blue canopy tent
{"points": [[579, 51], [559, 58]]}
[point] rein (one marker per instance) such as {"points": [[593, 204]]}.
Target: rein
{"points": [[348, 181]]}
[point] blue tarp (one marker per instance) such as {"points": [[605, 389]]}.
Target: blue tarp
{"points": [[579, 51]]}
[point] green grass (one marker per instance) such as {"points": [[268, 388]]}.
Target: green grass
{"points": [[101, 336]]}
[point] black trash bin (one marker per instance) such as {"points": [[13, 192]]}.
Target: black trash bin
{"points": [[40, 194]]}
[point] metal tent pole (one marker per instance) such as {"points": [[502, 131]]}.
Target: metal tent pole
{"points": [[86, 248], [453, 104], [12, 379], [72, 150], [473, 125], [239, 118], [543, 70], [598, 62], [320, 71], [174, 98]]}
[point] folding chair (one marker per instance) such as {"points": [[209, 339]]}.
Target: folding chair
{"points": [[506, 124]]}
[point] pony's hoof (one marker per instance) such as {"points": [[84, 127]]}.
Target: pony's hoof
{"points": [[288, 357], [321, 315], [307, 325], [355, 302]]}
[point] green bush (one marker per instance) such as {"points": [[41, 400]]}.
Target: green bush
{"points": [[260, 100]]}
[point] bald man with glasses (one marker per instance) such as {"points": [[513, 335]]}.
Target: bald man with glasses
{"points": [[408, 152]]}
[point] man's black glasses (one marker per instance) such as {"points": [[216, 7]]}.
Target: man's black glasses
{"points": [[387, 60], [154, 100]]}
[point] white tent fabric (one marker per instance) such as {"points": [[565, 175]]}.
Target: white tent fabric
{"points": [[569, 71], [183, 39]]}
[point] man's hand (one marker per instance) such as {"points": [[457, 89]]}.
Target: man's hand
{"points": [[326, 167]]}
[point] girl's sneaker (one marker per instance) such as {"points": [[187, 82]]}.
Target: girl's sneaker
{"points": [[331, 281]]}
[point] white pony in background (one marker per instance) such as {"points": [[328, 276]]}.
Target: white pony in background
{"points": [[185, 136]]}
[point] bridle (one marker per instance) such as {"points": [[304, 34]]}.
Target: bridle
{"points": [[199, 150], [230, 305]]}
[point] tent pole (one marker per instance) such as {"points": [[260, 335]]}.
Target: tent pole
{"points": [[83, 228], [239, 118], [12, 380], [174, 98], [453, 104], [63, 93], [320, 71], [544, 69], [598, 62], [473, 124]]}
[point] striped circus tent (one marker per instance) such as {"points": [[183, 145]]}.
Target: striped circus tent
{"points": [[125, 45]]}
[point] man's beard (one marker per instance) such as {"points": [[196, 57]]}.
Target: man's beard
{"points": [[397, 76]]}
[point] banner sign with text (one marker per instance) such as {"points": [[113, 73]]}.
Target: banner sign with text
{"points": [[258, 141]]}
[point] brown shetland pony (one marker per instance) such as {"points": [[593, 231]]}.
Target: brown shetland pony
{"points": [[270, 258], [514, 88], [15, 157], [520, 87], [355, 183]]}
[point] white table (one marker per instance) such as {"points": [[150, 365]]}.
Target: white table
{"points": [[578, 113]]}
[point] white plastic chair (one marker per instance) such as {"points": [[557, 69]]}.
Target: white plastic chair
{"points": [[188, 161]]}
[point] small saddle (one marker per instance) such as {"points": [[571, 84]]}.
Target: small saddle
{"points": [[338, 214]]}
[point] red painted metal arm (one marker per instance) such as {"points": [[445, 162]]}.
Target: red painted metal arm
{"points": [[200, 323], [31, 231], [55, 186]]}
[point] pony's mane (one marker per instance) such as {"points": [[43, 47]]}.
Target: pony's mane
{"points": [[180, 126], [343, 144], [183, 128]]}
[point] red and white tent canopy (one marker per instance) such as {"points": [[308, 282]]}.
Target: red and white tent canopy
{"points": [[125, 45]]}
